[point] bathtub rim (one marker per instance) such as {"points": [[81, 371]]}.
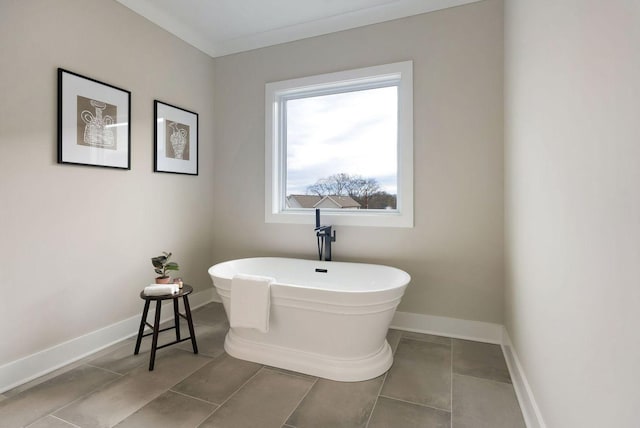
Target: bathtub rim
{"points": [[402, 284], [330, 300]]}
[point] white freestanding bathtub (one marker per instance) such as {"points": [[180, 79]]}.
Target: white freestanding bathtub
{"points": [[327, 319]]}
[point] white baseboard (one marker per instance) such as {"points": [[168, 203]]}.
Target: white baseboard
{"points": [[216, 297], [35, 365], [530, 411], [451, 327]]}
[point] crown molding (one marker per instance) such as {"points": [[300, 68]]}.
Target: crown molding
{"points": [[215, 48]]}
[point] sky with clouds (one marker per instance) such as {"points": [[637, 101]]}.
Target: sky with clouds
{"points": [[352, 132]]}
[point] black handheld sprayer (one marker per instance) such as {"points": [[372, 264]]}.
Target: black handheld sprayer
{"points": [[324, 238]]}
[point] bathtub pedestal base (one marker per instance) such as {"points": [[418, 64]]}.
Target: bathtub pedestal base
{"points": [[351, 370]]}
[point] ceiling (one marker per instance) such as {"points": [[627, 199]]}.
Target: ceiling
{"points": [[222, 27]]}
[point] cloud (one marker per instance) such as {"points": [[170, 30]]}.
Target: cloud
{"points": [[353, 132]]}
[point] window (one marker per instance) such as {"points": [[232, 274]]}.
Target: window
{"points": [[342, 142]]}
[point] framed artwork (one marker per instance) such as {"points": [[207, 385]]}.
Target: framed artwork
{"points": [[175, 139], [93, 122]]}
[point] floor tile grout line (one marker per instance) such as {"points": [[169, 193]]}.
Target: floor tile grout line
{"points": [[414, 403], [235, 392], [300, 401], [404, 336], [169, 389], [417, 339], [66, 421], [155, 397], [97, 388], [375, 403], [448, 345], [109, 371], [212, 356], [451, 388], [191, 396], [483, 378], [289, 372], [49, 376], [207, 416], [43, 379]]}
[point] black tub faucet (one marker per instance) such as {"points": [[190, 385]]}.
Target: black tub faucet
{"points": [[324, 237]]}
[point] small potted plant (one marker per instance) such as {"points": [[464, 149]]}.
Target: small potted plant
{"points": [[161, 265]]}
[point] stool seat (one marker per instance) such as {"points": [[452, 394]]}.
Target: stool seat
{"points": [[184, 292]]}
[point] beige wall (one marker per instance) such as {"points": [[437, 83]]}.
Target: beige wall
{"points": [[455, 251], [573, 206], [75, 241]]}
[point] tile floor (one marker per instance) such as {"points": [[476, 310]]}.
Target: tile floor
{"points": [[434, 382]]}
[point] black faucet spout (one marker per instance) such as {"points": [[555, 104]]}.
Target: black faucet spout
{"points": [[322, 230]]}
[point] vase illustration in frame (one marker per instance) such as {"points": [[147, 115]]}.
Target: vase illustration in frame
{"points": [[93, 122], [175, 139]]}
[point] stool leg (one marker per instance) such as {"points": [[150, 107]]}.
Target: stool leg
{"points": [[142, 323], [176, 317], [156, 329], [187, 311]]}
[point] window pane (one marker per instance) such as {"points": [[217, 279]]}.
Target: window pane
{"points": [[343, 144]]}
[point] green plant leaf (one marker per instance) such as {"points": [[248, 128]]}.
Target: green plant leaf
{"points": [[172, 266]]}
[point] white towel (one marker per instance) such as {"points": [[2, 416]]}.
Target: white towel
{"points": [[250, 301], [161, 289]]}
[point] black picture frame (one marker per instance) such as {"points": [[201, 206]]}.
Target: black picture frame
{"points": [[94, 122], [175, 139]]}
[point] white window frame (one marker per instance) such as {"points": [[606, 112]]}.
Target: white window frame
{"points": [[276, 93]]}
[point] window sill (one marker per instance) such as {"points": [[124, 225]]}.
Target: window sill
{"points": [[377, 218]]}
